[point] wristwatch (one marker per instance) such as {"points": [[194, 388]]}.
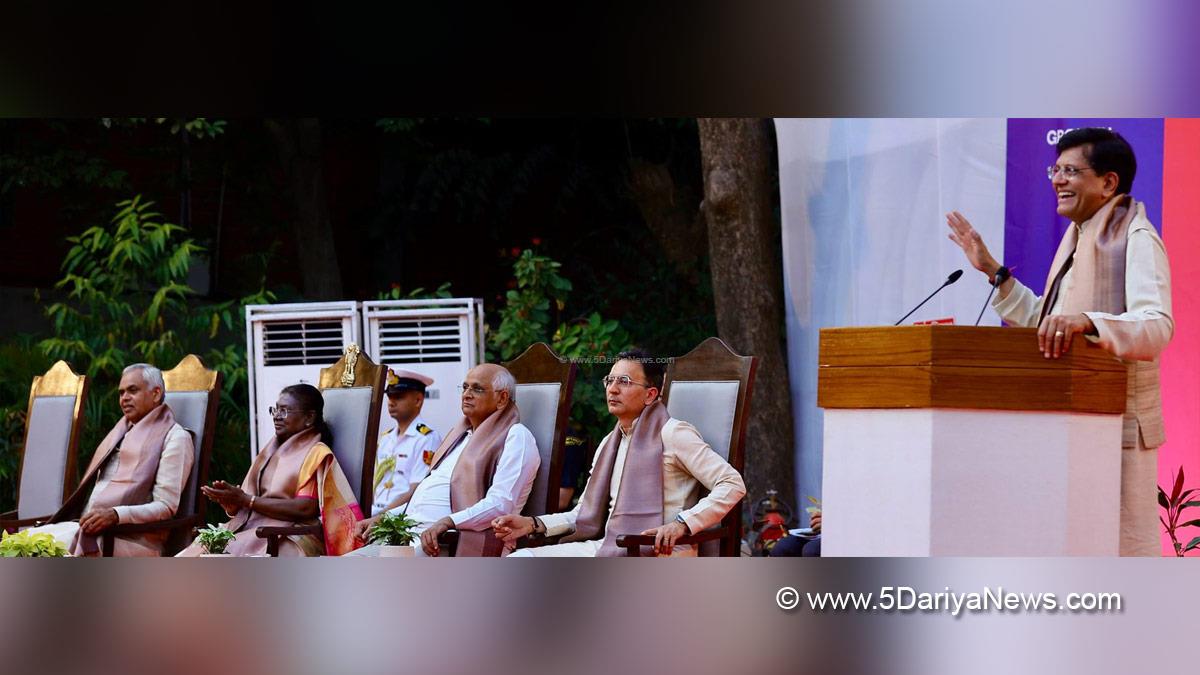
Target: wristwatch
{"points": [[679, 519], [538, 527]]}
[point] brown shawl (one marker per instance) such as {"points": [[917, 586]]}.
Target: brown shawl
{"points": [[1096, 251], [141, 447], [639, 504], [474, 471]]}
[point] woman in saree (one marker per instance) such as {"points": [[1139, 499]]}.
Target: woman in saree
{"points": [[294, 480]]}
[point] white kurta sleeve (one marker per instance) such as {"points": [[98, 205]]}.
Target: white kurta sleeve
{"points": [[1021, 307]]}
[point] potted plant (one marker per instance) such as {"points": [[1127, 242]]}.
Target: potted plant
{"points": [[213, 539], [393, 532], [1175, 504], [29, 545]]}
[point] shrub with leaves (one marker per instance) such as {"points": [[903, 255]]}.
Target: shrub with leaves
{"points": [[128, 301], [28, 545], [532, 309], [1179, 501], [418, 293], [393, 529]]}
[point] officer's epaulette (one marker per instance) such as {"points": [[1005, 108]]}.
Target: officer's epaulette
{"points": [[386, 433], [424, 430]]}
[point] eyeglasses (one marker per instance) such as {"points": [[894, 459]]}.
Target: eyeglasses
{"points": [[473, 388], [1068, 171], [623, 381], [283, 412]]}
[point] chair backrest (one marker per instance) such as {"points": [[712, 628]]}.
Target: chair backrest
{"points": [[545, 384], [54, 418], [711, 387], [193, 393], [353, 393]]}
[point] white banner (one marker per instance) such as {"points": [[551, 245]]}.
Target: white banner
{"points": [[864, 235]]}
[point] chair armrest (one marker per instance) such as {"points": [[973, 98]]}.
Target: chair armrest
{"points": [[536, 540], [108, 536], [448, 543], [273, 534], [16, 524], [633, 542]]}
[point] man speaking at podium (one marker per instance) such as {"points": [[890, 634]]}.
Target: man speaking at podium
{"points": [[1109, 281]]}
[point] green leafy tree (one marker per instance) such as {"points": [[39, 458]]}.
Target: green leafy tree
{"points": [[128, 300], [537, 303]]}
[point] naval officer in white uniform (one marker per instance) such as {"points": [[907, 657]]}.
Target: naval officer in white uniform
{"points": [[405, 451]]}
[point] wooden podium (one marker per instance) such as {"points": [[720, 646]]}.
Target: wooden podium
{"points": [[960, 440]]}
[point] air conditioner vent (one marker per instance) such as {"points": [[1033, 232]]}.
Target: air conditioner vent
{"points": [[302, 343], [417, 340]]}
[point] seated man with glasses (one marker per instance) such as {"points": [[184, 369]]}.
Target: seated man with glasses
{"points": [[484, 468], [1109, 281], [645, 479]]}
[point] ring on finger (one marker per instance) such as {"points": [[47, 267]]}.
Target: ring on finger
{"points": [[1059, 333]]}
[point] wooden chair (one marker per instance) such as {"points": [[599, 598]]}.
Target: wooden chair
{"points": [[192, 392], [53, 420], [353, 392], [710, 387], [545, 385]]}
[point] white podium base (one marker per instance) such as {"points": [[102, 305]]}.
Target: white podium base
{"points": [[935, 482]]}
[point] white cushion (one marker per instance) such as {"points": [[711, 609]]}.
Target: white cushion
{"points": [[45, 462], [347, 412], [538, 404], [709, 406], [191, 410]]}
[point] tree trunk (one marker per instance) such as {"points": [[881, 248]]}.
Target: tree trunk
{"points": [[299, 145], [670, 212], [747, 276]]}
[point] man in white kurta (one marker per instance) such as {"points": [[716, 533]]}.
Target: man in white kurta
{"points": [[1094, 171], [511, 483]]}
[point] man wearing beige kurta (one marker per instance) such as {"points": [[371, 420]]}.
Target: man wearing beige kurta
{"points": [[136, 476], [687, 463], [1111, 282]]}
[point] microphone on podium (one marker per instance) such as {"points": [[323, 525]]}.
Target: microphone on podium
{"points": [[1000, 277], [949, 280]]}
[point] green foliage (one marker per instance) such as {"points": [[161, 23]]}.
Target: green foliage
{"points": [[215, 538], [393, 125], [525, 317], [1175, 504], [200, 127], [128, 300], [28, 545], [539, 298], [393, 529], [418, 293]]}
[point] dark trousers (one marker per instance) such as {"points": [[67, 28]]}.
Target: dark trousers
{"points": [[792, 547]]}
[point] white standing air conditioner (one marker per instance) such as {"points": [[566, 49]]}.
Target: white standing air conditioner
{"points": [[440, 338], [288, 344]]}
